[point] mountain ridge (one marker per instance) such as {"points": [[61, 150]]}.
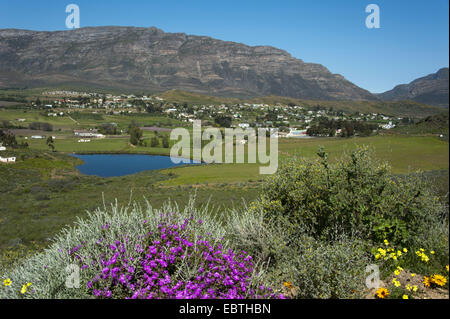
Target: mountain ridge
{"points": [[431, 89], [151, 59]]}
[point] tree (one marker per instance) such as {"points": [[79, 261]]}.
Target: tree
{"points": [[223, 121], [154, 142], [136, 136], [8, 139], [50, 143], [165, 141]]}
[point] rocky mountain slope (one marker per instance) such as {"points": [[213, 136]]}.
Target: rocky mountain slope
{"points": [[150, 60], [431, 89]]}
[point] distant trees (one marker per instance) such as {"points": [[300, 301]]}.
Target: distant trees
{"points": [[109, 129], [50, 143], [165, 141], [326, 127], [40, 126], [8, 139], [223, 121], [154, 142], [136, 135]]}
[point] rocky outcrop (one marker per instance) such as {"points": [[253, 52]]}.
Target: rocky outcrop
{"points": [[149, 60]]}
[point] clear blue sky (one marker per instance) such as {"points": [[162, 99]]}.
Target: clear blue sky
{"points": [[413, 40]]}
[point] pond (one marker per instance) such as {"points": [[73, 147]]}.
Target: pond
{"points": [[111, 165]]}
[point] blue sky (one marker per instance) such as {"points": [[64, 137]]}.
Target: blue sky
{"points": [[413, 40]]}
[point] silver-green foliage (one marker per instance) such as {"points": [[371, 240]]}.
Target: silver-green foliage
{"points": [[356, 195], [47, 272]]}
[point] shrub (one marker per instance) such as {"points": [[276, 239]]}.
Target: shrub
{"points": [[356, 196], [309, 268], [124, 240]]}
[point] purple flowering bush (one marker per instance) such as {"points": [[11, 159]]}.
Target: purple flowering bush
{"points": [[172, 263]]}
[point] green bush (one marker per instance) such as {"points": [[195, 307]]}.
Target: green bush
{"points": [[356, 196], [316, 269]]}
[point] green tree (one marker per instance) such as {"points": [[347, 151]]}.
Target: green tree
{"points": [[51, 143], [165, 141], [136, 136], [154, 142]]}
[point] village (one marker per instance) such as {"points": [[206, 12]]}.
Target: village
{"points": [[292, 121]]}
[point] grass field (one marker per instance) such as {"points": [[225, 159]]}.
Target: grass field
{"points": [[44, 191]]}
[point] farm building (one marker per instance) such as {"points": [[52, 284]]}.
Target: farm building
{"points": [[7, 159]]}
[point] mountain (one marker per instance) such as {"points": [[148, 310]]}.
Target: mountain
{"points": [[431, 89], [150, 60]]}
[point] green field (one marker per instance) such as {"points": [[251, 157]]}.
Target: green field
{"points": [[44, 191]]}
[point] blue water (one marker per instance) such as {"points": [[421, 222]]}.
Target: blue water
{"points": [[110, 165]]}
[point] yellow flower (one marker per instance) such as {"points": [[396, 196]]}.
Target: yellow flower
{"points": [[415, 288], [381, 293], [23, 290], [405, 250], [396, 282], [426, 281], [446, 267], [399, 253], [438, 280], [408, 287], [397, 272], [386, 242], [7, 282], [377, 256], [382, 251], [28, 284], [412, 275], [405, 297], [432, 252], [288, 284]]}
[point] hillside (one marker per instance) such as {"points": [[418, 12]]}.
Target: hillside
{"points": [[396, 108], [431, 89], [149, 59]]}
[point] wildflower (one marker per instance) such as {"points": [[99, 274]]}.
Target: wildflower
{"points": [[432, 252], [386, 242], [413, 275], [446, 267], [397, 272], [7, 282], [382, 251], [24, 289], [288, 284], [405, 250], [415, 288], [381, 293], [438, 280], [396, 282], [426, 281], [405, 297]]}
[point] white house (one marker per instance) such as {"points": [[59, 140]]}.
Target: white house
{"points": [[297, 134], [37, 137], [244, 125], [7, 159], [388, 126], [2, 148]]}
